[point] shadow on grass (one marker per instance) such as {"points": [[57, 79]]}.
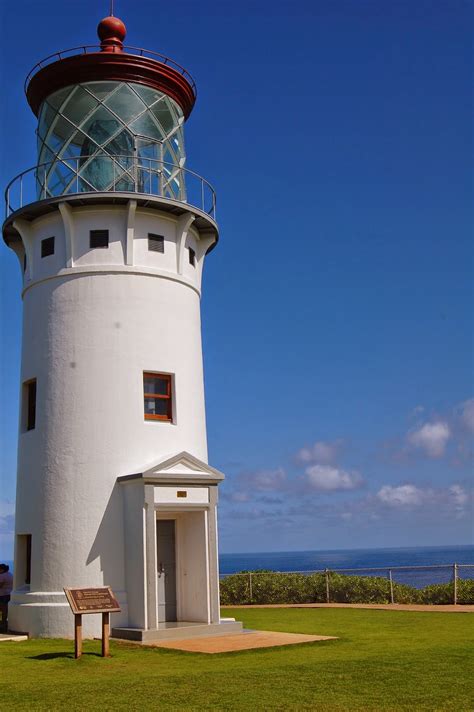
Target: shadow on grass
{"points": [[53, 656]]}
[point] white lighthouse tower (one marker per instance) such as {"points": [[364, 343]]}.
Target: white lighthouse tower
{"points": [[111, 231]]}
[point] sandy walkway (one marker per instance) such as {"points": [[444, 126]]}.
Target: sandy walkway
{"points": [[250, 640], [376, 606]]}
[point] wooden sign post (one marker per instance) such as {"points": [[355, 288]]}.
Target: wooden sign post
{"points": [[92, 600]]}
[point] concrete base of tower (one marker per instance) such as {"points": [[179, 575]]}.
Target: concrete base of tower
{"points": [[178, 630], [48, 615]]}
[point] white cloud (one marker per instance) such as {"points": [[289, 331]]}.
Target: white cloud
{"points": [[320, 452], [459, 496], [466, 414], [269, 480], [7, 508], [7, 523], [239, 497], [324, 478], [401, 496], [260, 481], [440, 500], [432, 438]]}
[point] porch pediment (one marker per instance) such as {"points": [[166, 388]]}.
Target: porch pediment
{"points": [[182, 467]]}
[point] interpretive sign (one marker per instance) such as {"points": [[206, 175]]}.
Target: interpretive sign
{"points": [[92, 600]]}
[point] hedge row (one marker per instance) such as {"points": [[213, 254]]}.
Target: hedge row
{"points": [[270, 587]]}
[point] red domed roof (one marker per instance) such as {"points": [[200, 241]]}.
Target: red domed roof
{"points": [[110, 62]]}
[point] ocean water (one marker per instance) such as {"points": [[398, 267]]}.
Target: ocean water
{"points": [[362, 559], [429, 556]]}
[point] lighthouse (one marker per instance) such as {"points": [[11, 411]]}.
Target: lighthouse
{"points": [[111, 230]]}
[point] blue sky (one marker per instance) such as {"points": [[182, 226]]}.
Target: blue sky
{"points": [[337, 308]]}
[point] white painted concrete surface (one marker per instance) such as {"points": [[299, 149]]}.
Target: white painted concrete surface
{"points": [[181, 495], [90, 330]]}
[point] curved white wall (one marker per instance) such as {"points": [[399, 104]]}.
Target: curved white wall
{"points": [[90, 331]]}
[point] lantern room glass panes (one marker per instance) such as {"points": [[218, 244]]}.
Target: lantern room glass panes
{"points": [[145, 126], [164, 117], [80, 105], [57, 99], [110, 136], [101, 90], [145, 93], [125, 103]]}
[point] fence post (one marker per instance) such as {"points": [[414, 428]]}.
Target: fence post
{"points": [[391, 585], [250, 587], [455, 578], [326, 571]]}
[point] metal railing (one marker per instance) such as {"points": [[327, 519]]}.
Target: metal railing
{"points": [[115, 174], [394, 575], [90, 49]]}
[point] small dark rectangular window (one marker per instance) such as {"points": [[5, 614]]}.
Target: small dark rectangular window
{"points": [[47, 247], [157, 396], [192, 257], [99, 238], [28, 559], [23, 560], [156, 243], [30, 404]]}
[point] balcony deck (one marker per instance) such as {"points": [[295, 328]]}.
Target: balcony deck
{"points": [[151, 183]]}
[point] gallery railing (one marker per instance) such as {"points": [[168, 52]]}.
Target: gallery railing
{"points": [[103, 173], [87, 49]]}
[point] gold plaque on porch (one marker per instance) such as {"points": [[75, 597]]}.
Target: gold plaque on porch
{"points": [[181, 493]]}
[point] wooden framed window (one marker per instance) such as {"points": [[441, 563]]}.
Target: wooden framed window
{"points": [[192, 257], [29, 404], [47, 247], [156, 243], [98, 238], [157, 396]]}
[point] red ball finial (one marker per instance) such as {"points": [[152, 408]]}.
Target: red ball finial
{"points": [[111, 33]]}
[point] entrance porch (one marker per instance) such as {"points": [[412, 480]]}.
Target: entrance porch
{"points": [[171, 559]]}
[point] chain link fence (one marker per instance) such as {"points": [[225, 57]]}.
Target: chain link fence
{"points": [[436, 584]]}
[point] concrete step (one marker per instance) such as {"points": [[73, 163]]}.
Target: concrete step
{"points": [[181, 630], [15, 637]]}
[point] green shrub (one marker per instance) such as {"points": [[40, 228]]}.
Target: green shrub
{"points": [[358, 589], [269, 587], [438, 593], [234, 590], [403, 593], [466, 591]]}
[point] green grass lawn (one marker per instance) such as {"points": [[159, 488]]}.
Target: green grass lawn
{"points": [[383, 660]]}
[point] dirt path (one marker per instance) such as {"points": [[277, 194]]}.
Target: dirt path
{"points": [[250, 640], [377, 606]]}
